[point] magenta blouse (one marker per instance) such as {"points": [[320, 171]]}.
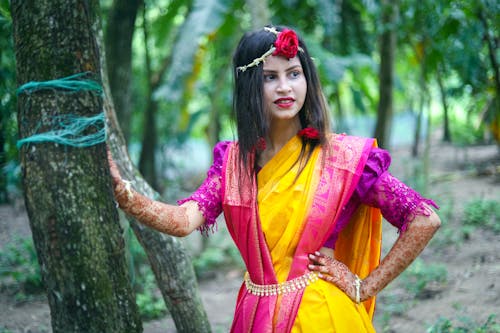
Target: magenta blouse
{"points": [[398, 203]]}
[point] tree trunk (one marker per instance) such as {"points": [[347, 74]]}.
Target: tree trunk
{"points": [[169, 258], [214, 127], [118, 41], [444, 102], [147, 159], [423, 97], [418, 129], [67, 190], [492, 43], [386, 74], [4, 195], [425, 172], [492, 48]]}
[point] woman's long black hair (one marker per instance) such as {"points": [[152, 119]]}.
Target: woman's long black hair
{"points": [[248, 104]]}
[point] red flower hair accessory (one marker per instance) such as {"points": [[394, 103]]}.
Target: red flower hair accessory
{"points": [[286, 45], [309, 133]]}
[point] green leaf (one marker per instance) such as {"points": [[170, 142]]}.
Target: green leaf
{"points": [[205, 18], [165, 23], [5, 11]]}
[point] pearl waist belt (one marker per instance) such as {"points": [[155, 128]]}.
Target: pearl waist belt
{"points": [[281, 288]]}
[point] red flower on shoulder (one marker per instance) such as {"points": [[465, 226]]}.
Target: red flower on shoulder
{"points": [[287, 44], [261, 144], [309, 133]]}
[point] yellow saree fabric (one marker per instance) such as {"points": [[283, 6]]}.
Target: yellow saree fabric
{"points": [[284, 200]]}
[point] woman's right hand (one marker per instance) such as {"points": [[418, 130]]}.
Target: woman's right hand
{"points": [[173, 220]]}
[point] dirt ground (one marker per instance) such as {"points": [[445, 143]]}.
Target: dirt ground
{"points": [[472, 288]]}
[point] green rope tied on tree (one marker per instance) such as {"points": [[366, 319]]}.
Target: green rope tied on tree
{"points": [[71, 83], [70, 130]]}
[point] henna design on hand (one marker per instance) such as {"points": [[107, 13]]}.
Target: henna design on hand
{"points": [[169, 219], [404, 251], [334, 271]]}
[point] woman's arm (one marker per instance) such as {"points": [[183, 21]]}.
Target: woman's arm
{"points": [[400, 205], [404, 251], [173, 220]]}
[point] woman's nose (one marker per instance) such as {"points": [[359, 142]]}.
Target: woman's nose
{"points": [[284, 85]]}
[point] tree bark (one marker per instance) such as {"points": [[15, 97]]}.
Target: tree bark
{"points": [[386, 74], [444, 102], [118, 41], [4, 195], [67, 190], [422, 103], [492, 52], [490, 41], [418, 129], [147, 158], [169, 258]]}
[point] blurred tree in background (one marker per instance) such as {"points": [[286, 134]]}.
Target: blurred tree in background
{"points": [[9, 162]]}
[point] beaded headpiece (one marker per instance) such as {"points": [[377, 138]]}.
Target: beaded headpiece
{"points": [[286, 45]]}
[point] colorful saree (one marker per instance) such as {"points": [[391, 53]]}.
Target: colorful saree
{"points": [[293, 216]]}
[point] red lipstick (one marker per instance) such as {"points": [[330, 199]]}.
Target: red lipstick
{"points": [[285, 102]]}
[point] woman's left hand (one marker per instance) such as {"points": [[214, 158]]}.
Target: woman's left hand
{"points": [[334, 271]]}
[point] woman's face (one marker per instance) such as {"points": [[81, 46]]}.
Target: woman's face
{"points": [[285, 87]]}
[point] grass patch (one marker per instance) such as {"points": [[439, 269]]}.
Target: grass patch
{"points": [[482, 213], [147, 295], [419, 276], [447, 234], [19, 269], [149, 300], [465, 325]]}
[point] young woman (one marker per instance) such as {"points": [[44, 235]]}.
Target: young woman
{"points": [[303, 205]]}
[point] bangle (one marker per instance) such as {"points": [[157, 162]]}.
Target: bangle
{"points": [[357, 285]]}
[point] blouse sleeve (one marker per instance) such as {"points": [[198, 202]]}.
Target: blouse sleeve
{"points": [[377, 163], [398, 202], [209, 194]]}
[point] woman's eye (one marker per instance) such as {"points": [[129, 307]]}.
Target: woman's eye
{"points": [[295, 74], [269, 77]]}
